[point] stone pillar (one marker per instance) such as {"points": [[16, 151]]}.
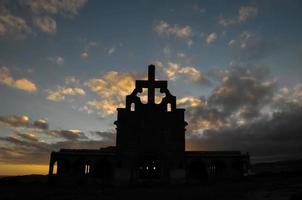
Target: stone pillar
{"points": [[51, 163]]}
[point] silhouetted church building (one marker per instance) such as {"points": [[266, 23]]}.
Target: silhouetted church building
{"points": [[150, 145]]}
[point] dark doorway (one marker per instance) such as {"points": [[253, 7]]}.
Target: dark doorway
{"points": [[103, 170], [219, 168], [63, 167], [197, 171], [149, 167], [79, 167]]}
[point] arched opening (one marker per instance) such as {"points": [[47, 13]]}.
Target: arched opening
{"points": [[87, 169], [169, 107], [132, 108], [149, 167], [159, 96], [143, 95], [197, 171], [55, 168]]}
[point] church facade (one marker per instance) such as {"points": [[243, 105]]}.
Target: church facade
{"points": [[150, 146]]}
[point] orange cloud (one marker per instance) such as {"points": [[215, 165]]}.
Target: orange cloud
{"points": [[174, 70], [60, 93], [21, 84], [190, 101], [24, 84], [112, 89]]}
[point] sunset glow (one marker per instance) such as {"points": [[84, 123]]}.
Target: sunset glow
{"points": [[65, 66]]}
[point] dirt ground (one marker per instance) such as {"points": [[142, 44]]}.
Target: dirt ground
{"points": [[263, 187]]}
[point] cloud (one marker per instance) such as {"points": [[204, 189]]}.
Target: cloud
{"points": [[64, 7], [12, 26], [105, 136], [25, 146], [183, 32], [192, 72], [88, 46], [41, 124], [71, 80], [241, 86], [212, 37], [31, 128], [266, 139], [297, 91], [111, 50], [247, 111], [84, 55], [249, 45], [29, 136], [26, 85], [181, 55], [287, 96], [112, 89], [61, 92], [26, 143], [242, 40], [21, 151], [238, 98], [71, 134], [21, 84], [106, 107], [190, 43], [173, 71], [245, 13], [55, 96], [190, 101], [22, 121], [46, 24], [59, 60], [112, 84]]}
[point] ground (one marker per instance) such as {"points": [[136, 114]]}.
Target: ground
{"points": [[276, 186]]}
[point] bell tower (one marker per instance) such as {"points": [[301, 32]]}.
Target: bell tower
{"points": [[151, 134]]}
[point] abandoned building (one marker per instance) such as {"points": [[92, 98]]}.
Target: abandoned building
{"points": [[150, 145]]}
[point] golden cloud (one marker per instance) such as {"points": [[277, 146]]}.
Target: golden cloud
{"points": [[192, 72], [190, 101], [112, 89], [21, 120], [199, 125], [60, 93], [174, 70], [106, 106], [22, 84]]}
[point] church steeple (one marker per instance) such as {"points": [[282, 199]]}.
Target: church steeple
{"points": [[151, 84]]}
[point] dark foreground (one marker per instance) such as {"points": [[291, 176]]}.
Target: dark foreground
{"points": [[276, 186]]}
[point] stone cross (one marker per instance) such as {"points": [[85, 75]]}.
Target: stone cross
{"points": [[151, 84]]}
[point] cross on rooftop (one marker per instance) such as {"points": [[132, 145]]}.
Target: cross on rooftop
{"points": [[151, 84]]}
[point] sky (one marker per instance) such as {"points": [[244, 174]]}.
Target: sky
{"points": [[65, 66]]}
